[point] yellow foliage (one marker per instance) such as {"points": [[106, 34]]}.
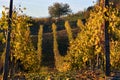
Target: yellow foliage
{"points": [[90, 41], [80, 24], [69, 30]]}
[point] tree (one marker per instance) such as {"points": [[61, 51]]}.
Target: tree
{"points": [[87, 45], [116, 3], [39, 44], [80, 24], [55, 46], [59, 9], [69, 31], [22, 51], [21, 47]]}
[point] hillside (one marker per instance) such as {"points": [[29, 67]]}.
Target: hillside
{"points": [[47, 46]]}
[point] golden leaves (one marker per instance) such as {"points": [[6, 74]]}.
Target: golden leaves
{"points": [[89, 41]]}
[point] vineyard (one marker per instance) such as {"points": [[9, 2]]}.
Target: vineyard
{"points": [[74, 53]]}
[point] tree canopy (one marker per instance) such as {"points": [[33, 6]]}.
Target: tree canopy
{"points": [[59, 9]]}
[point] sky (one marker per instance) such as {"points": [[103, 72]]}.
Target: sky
{"points": [[39, 8]]}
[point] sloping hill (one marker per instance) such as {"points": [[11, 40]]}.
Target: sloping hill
{"points": [[47, 45]]}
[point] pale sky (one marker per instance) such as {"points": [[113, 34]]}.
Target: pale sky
{"points": [[39, 8]]}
